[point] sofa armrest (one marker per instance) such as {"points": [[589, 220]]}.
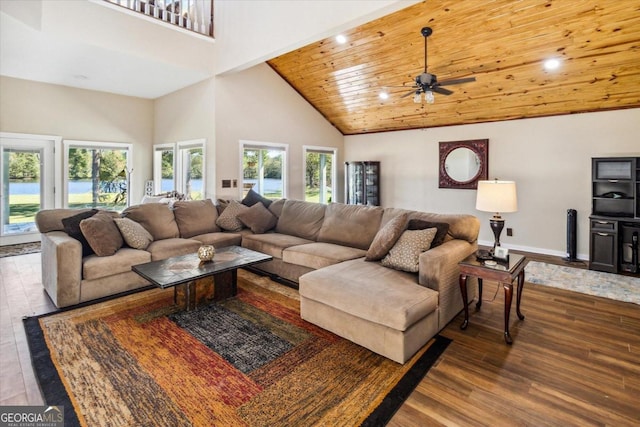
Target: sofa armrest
{"points": [[439, 271], [61, 267]]}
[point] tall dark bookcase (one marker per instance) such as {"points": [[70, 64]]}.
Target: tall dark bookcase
{"points": [[615, 215], [362, 183]]}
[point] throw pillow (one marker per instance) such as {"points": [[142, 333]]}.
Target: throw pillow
{"points": [[386, 237], [156, 218], [72, 228], [420, 224], [102, 234], [258, 218], [134, 235], [252, 198], [228, 219], [405, 254], [195, 217]]}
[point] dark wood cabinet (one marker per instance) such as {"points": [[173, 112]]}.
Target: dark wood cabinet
{"points": [[362, 183], [615, 215]]}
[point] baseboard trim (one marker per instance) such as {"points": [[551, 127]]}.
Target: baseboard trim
{"points": [[543, 251]]}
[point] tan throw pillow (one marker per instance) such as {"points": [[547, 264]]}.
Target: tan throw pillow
{"points": [[228, 219], [405, 254], [134, 235], [386, 237], [258, 218], [195, 217], [102, 234]]}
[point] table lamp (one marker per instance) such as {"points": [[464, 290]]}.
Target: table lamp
{"points": [[496, 196]]}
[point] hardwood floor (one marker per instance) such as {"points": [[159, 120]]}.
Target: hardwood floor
{"points": [[575, 359]]}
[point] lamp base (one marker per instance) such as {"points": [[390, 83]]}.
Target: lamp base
{"points": [[497, 224]]}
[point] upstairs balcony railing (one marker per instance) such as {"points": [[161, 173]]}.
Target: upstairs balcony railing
{"points": [[193, 15]]}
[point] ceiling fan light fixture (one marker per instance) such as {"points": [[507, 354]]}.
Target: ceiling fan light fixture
{"points": [[428, 96], [417, 98]]}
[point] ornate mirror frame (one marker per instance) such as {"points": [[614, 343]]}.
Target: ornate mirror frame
{"points": [[480, 147]]}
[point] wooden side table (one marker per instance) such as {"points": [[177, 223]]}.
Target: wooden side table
{"points": [[504, 273]]}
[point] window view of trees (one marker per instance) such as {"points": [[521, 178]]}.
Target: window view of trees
{"points": [[24, 166], [319, 177], [97, 178], [263, 170]]}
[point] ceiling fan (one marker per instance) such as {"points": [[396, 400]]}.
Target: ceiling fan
{"points": [[428, 83]]}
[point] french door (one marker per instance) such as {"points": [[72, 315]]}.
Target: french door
{"points": [[26, 184]]}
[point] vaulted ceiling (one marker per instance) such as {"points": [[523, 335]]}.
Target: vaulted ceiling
{"points": [[502, 43]]}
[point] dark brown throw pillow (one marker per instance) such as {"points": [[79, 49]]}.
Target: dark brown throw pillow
{"points": [[386, 237], [420, 224], [102, 233], [72, 228], [258, 218], [253, 197]]}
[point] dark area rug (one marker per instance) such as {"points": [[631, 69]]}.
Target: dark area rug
{"points": [[21, 249], [250, 360]]}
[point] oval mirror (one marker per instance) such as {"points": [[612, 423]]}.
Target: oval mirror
{"points": [[463, 163]]}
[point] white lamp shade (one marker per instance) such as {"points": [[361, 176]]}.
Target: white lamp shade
{"points": [[496, 196]]}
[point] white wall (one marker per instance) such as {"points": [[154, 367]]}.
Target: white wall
{"points": [[252, 31], [257, 105], [549, 158], [78, 114], [190, 114]]}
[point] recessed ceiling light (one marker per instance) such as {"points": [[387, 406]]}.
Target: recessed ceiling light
{"points": [[551, 64], [383, 95], [341, 39]]}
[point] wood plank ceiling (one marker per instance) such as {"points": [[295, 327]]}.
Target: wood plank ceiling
{"points": [[502, 43]]}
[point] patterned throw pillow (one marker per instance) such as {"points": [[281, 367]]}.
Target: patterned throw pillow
{"points": [[386, 237], [135, 235], [405, 254], [228, 219]]}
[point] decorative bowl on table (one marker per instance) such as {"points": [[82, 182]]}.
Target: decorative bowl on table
{"points": [[206, 253]]}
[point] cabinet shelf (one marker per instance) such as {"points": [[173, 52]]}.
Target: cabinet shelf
{"points": [[615, 221]]}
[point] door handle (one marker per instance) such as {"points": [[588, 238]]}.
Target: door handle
{"points": [[603, 234]]}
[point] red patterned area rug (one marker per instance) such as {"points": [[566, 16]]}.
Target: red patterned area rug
{"points": [[247, 361]]}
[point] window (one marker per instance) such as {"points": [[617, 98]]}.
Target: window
{"points": [[98, 174], [320, 174], [263, 169], [180, 167]]}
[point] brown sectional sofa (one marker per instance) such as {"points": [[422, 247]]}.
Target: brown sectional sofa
{"points": [[321, 247]]}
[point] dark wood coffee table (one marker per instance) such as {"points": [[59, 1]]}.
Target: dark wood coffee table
{"points": [[196, 282]]}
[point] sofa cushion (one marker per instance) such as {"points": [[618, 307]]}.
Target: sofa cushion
{"points": [[95, 267], [276, 207], [166, 248], [319, 254], [461, 226], [195, 217], [258, 218], [405, 254], [386, 237], [272, 243], [253, 197], [219, 239], [301, 219], [420, 224], [156, 218], [228, 219], [102, 233], [370, 291], [71, 226], [134, 234], [350, 225]]}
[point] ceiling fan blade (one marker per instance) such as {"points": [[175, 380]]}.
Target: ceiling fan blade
{"points": [[441, 90], [457, 81], [408, 93]]}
